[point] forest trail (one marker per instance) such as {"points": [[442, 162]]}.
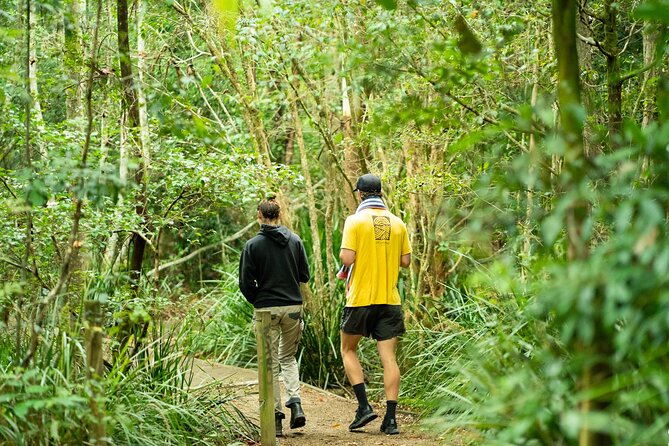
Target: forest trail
{"points": [[328, 415]]}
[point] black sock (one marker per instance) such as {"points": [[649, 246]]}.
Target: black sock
{"points": [[361, 395], [390, 409]]}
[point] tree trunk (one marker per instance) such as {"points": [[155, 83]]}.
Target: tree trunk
{"points": [[25, 8], [141, 96], [351, 161], [73, 60], [131, 112], [650, 38], [32, 78], [330, 259], [649, 85], [311, 198], [594, 373], [129, 99], [614, 84], [585, 56]]}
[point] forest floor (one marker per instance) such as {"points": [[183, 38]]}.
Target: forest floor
{"points": [[328, 414]]}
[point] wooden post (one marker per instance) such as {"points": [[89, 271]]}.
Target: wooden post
{"points": [[93, 336], [265, 379]]}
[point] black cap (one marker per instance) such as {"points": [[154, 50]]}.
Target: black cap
{"points": [[368, 183]]}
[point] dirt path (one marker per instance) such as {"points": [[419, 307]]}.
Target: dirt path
{"points": [[328, 415]]}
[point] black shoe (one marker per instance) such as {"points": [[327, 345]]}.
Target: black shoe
{"points": [[389, 427], [362, 416], [297, 418], [278, 417]]}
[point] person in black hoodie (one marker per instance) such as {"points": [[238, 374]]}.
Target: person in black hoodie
{"points": [[271, 267]]}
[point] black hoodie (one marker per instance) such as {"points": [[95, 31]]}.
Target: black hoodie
{"points": [[272, 265]]}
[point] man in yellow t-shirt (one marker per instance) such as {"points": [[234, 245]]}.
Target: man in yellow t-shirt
{"points": [[375, 244]]}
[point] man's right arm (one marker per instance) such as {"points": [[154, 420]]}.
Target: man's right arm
{"points": [[405, 260], [349, 243], [347, 256]]}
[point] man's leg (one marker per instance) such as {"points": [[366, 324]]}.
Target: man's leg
{"points": [[275, 339], [391, 371], [349, 345], [349, 354], [391, 383], [291, 332]]}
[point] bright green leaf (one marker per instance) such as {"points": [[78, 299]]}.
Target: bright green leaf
{"points": [[388, 4]]}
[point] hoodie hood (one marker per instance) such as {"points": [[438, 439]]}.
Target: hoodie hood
{"points": [[278, 234]]}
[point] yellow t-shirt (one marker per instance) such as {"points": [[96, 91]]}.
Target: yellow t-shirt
{"points": [[379, 240]]}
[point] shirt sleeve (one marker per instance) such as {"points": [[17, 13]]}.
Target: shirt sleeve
{"points": [[248, 284], [349, 237], [406, 246]]}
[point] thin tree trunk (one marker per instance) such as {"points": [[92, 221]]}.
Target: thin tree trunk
{"points": [[330, 262], [649, 88], [93, 318], [413, 220], [129, 99], [650, 37], [73, 60], [131, 111], [614, 84], [25, 8], [32, 77], [593, 374], [532, 149], [585, 56], [311, 198], [351, 161], [141, 97]]}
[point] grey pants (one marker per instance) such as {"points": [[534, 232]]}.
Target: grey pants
{"points": [[285, 334]]}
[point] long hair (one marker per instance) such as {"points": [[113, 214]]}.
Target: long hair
{"points": [[269, 208]]}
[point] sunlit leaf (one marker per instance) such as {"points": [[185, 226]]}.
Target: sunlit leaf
{"points": [[388, 4], [227, 12]]}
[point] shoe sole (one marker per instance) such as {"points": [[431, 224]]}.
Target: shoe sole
{"points": [[393, 432], [298, 422], [363, 421]]}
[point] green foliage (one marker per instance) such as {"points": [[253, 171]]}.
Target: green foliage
{"points": [[320, 359], [148, 404], [37, 406], [152, 404], [222, 325], [598, 317], [653, 10]]}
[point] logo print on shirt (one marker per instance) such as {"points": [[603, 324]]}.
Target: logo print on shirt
{"points": [[381, 227]]}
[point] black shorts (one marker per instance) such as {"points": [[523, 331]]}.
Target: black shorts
{"points": [[381, 322]]}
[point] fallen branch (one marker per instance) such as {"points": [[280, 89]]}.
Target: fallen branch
{"points": [[195, 253]]}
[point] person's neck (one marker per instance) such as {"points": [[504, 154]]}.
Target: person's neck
{"points": [[269, 222]]}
